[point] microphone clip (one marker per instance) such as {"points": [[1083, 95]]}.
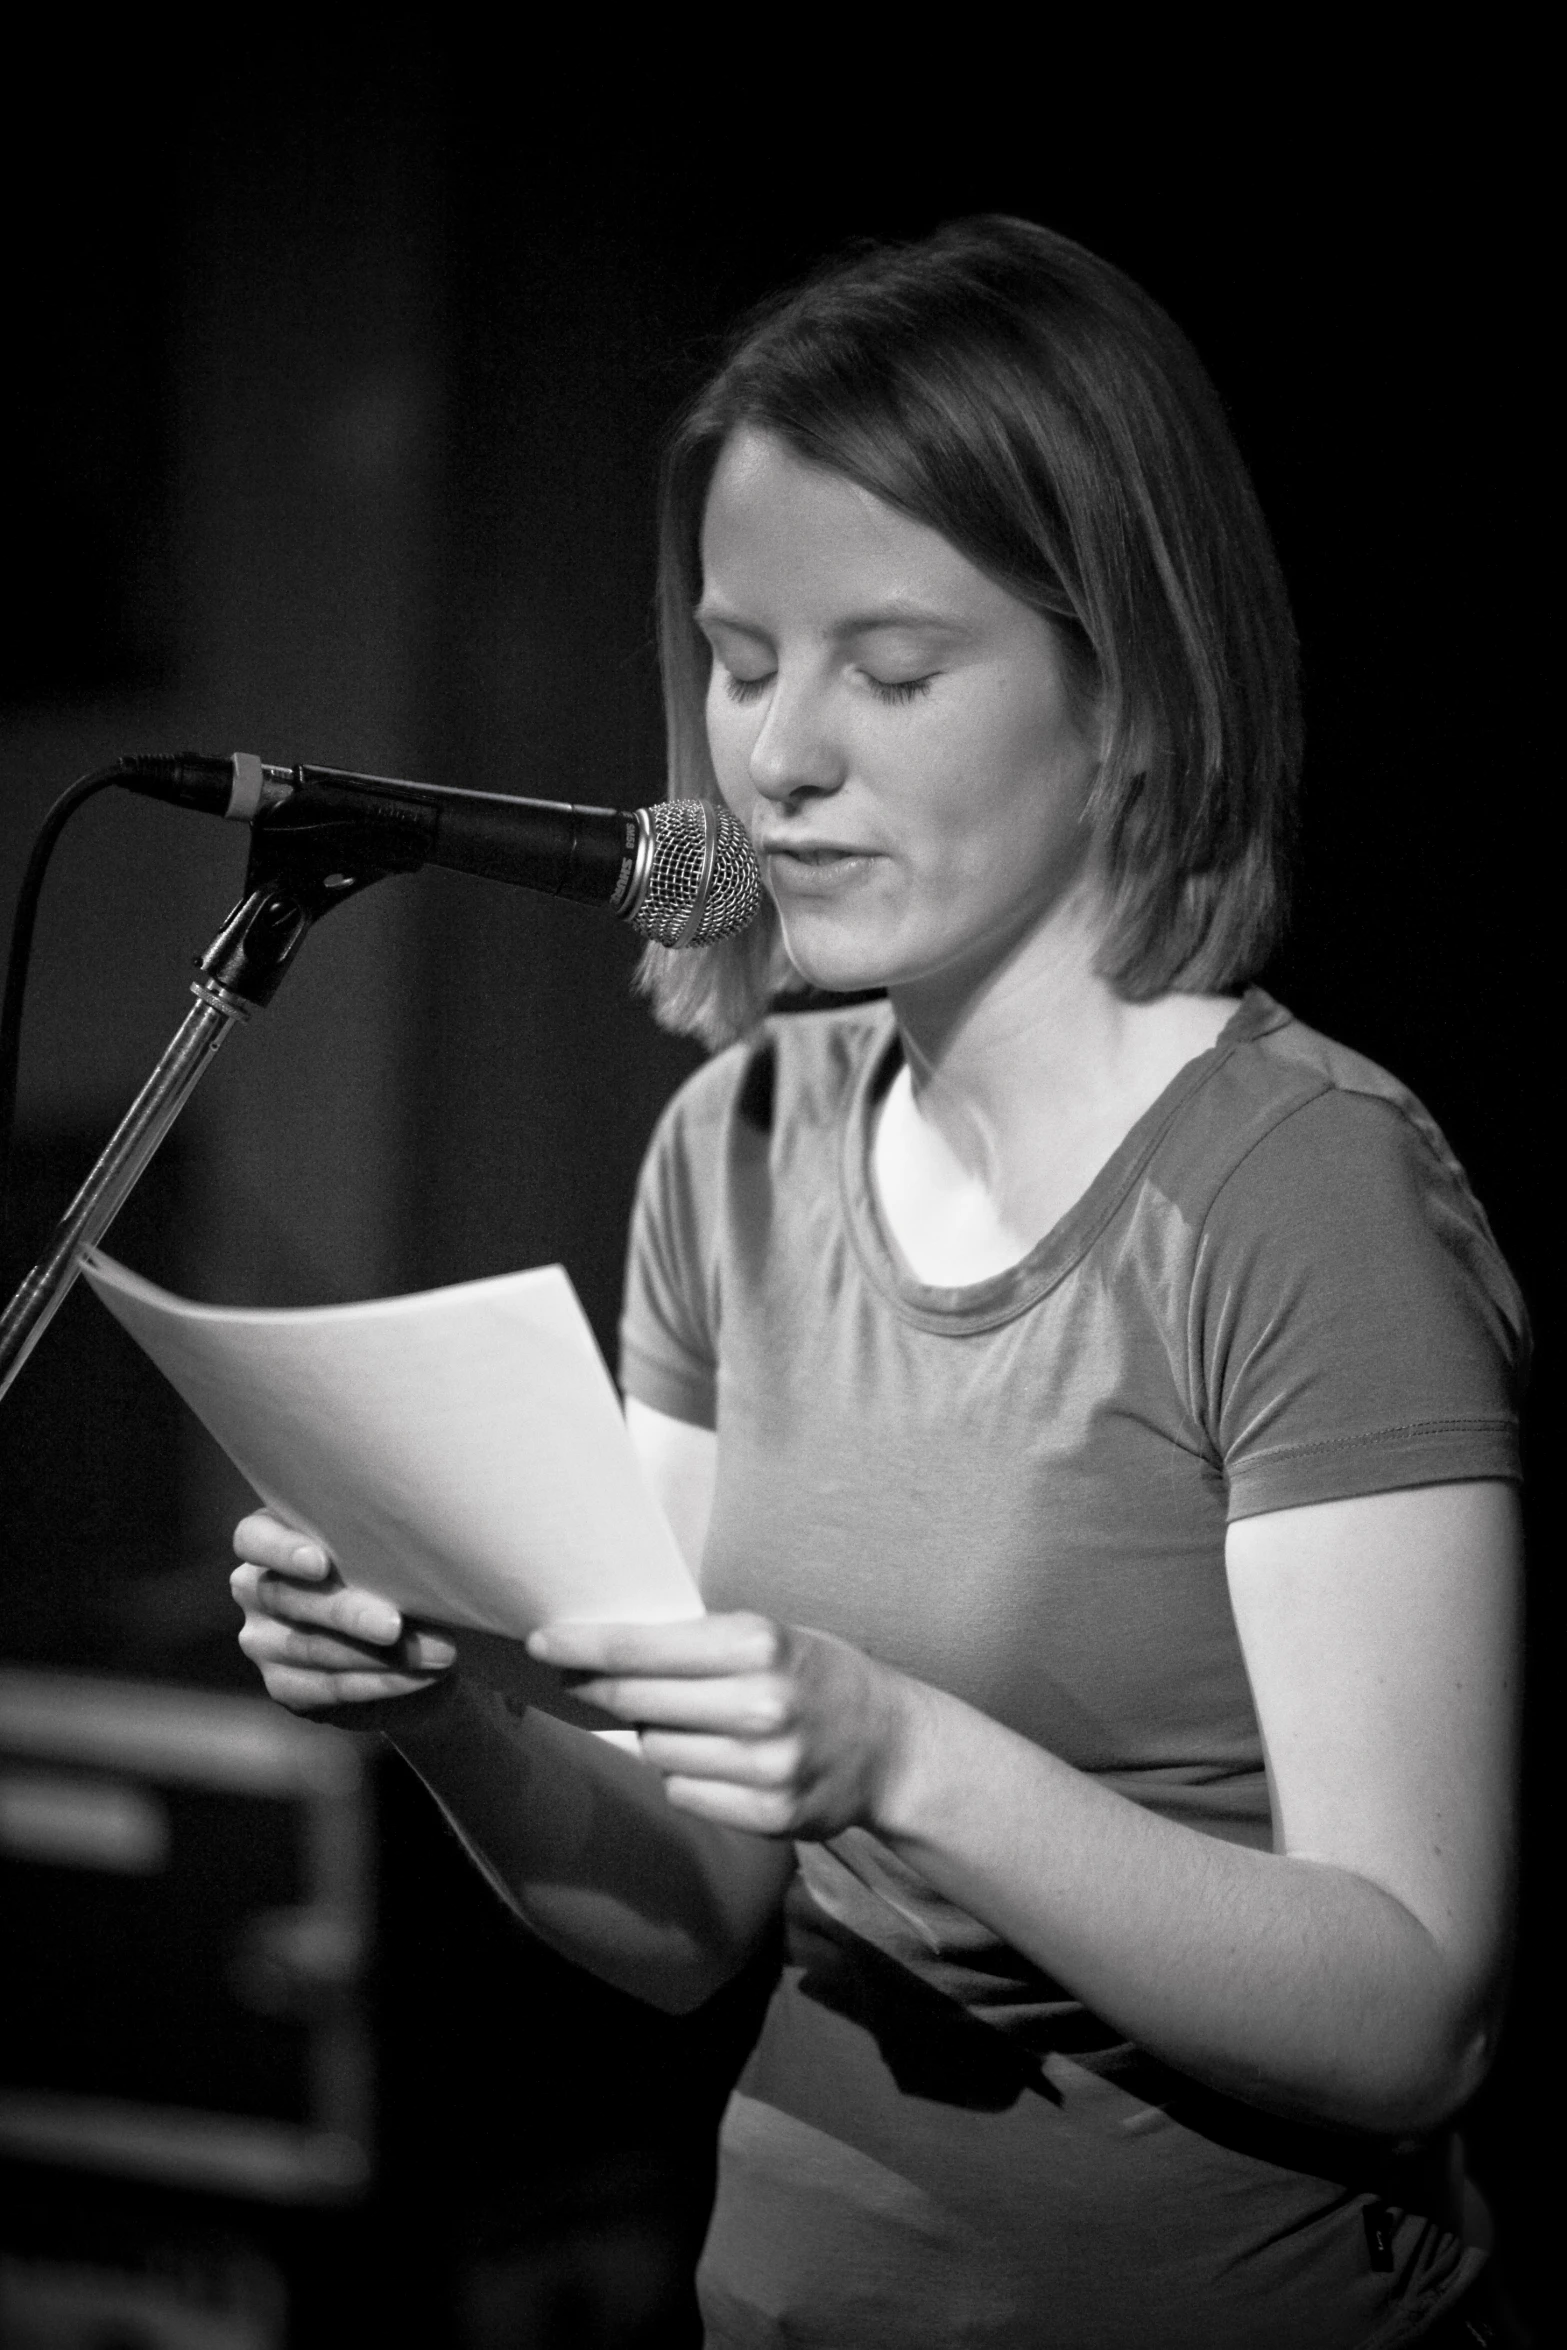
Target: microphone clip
{"points": [[312, 853]]}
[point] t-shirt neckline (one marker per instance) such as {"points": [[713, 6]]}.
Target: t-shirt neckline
{"points": [[983, 1305]]}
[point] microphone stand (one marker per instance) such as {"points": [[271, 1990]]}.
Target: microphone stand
{"points": [[295, 875]]}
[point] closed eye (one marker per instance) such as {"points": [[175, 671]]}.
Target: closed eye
{"points": [[745, 689], [892, 690]]}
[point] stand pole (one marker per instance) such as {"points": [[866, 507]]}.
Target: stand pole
{"points": [[294, 876], [120, 1166]]}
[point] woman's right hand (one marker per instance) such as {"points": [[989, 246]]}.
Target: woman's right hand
{"points": [[322, 1647]]}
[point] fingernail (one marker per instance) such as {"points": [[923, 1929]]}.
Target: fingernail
{"points": [[310, 1558], [379, 1621], [434, 1651]]}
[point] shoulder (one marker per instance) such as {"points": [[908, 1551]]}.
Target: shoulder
{"points": [[1289, 1116], [1321, 1192], [1353, 1324]]}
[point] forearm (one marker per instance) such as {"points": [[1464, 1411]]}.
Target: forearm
{"points": [[1298, 1986], [578, 1838]]}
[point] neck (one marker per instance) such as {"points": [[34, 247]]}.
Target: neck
{"points": [[1032, 1040], [1017, 1087]]}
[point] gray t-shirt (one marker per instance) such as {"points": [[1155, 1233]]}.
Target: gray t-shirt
{"points": [[1279, 1290]]}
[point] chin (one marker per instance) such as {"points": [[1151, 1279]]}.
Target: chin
{"points": [[838, 967]]}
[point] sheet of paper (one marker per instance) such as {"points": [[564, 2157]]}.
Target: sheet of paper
{"points": [[461, 1451]]}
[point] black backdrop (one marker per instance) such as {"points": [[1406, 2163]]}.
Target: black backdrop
{"points": [[550, 270]]}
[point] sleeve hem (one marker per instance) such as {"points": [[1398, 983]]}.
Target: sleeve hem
{"points": [[1452, 1452], [680, 1391]]}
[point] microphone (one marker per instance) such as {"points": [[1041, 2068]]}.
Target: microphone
{"points": [[681, 873]]}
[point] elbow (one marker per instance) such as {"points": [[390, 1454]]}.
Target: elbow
{"points": [[1455, 2074], [1454, 2056], [1425, 2083], [1427, 2042]]}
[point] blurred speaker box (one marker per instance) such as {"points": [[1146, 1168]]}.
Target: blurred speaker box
{"points": [[185, 1880]]}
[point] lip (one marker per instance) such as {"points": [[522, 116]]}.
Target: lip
{"points": [[811, 852], [822, 869]]}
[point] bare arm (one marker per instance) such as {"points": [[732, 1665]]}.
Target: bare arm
{"points": [[576, 1835], [1353, 1975]]}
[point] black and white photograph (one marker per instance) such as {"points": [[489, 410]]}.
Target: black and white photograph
{"points": [[776, 1547]]}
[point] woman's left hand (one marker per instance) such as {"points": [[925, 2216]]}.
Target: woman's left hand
{"points": [[752, 1724]]}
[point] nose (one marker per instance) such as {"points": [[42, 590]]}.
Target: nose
{"points": [[794, 754]]}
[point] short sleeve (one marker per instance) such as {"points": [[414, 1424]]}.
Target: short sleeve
{"points": [[1354, 1327], [669, 1319]]}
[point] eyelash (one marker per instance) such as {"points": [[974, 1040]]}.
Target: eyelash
{"points": [[746, 689]]}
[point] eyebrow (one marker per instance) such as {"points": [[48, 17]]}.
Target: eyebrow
{"points": [[895, 615]]}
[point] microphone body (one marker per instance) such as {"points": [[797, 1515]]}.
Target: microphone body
{"points": [[681, 872]]}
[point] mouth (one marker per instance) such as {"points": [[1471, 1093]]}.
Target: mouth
{"points": [[817, 869], [811, 854]]}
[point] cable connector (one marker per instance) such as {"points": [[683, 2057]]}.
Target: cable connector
{"points": [[193, 779]]}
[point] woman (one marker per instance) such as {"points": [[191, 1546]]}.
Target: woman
{"points": [[1089, 1396]]}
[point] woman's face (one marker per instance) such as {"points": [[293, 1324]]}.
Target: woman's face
{"points": [[894, 728]]}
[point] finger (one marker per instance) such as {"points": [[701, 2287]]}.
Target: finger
{"points": [[269, 1541], [759, 1811], [358, 1615], [428, 1652], [698, 1646], [752, 1705], [768, 1764], [266, 1641], [305, 1691]]}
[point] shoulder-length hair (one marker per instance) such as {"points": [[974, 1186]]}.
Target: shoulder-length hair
{"points": [[1012, 391]]}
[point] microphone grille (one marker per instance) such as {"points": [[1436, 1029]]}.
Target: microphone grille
{"points": [[703, 882]]}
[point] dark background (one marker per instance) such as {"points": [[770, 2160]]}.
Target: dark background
{"points": [[336, 383]]}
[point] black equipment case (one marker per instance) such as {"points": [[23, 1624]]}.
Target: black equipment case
{"points": [[185, 1881]]}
